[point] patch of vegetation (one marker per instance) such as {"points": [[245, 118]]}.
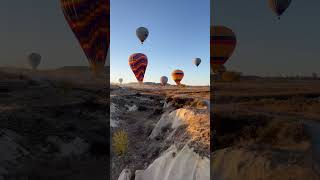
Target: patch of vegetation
{"points": [[259, 131], [120, 142], [282, 132]]}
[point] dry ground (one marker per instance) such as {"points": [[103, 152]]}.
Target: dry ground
{"points": [[61, 125], [269, 118]]}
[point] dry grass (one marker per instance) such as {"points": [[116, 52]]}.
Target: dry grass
{"points": [[284, 134], [197, 126], [254, 129], [120, 142], [293, 105]]}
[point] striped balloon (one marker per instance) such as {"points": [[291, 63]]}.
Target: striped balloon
{"points": [[138, 63], [222, 44], [90, 22], [279, 6], [177, 76]]}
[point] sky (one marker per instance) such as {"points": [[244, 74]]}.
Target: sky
{"points": [[37, 26], [267, 46], [179, 31]]}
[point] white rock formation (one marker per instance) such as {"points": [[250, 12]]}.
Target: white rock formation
{"points": [[125, 175], [173, 119], [113, 117], [131, 108], [177, 165]]}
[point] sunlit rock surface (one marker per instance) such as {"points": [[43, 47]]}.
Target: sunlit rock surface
{"points": [[176, 165]]}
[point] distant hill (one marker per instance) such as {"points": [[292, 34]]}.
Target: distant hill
{"points": [[147, 83]]}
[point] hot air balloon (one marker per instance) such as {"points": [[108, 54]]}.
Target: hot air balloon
{"points": [[163, 80], [177, 76], [142, 34], [138, 63], [222, 44], [34, 60], [279, 6], [196, 61], [90, 21], [120, 80]]}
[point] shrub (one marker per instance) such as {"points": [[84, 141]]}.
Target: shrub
{"points": [[120, 142]]}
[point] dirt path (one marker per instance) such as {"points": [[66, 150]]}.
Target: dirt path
{"points": [[137, 114]]}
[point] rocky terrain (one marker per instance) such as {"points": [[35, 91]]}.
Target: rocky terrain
{"points": [[266, 129], [168, 132], [53, 127]]}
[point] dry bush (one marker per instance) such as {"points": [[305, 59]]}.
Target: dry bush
{"points": [[231, 76], [120, 142]]}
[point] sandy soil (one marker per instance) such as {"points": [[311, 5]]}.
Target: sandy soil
{"points": [[56, 126], [272, 125]]}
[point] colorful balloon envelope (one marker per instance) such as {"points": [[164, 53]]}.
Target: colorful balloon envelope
{"points": [[90, 21], [177, 76], [279, 6], [142, 34], [34, 60], [120, 80], [196, 61], [138, 63], [163, 80], [222, 44]]}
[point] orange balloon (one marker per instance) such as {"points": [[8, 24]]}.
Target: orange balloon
{"points": [[177, 76]]}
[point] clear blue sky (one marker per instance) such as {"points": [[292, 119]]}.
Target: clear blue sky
{"points": [[179, 31], [267, 46]]}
